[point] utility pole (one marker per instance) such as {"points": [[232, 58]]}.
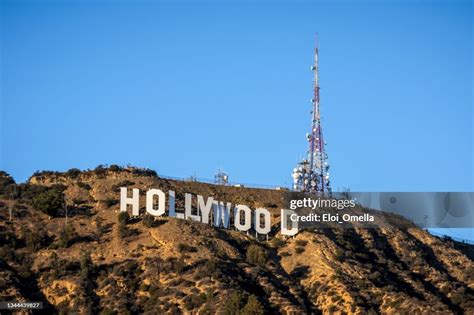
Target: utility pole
{"points": [[11, 203], [66, 210], [10, 210]]}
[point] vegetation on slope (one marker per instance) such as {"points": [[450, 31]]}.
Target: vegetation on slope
{"points": [[100, 261]]}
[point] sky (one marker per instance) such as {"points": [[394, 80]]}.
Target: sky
{"points": [[188, 87]]}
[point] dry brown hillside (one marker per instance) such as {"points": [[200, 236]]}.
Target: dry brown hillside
{"points": [[96, 263]]}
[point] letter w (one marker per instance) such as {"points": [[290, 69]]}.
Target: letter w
{"points": [[221, 213]]}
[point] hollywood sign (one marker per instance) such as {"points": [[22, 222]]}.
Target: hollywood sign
{"points": [[208, 211]]}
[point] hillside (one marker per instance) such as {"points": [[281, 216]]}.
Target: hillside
{"points": [[92, 262]]}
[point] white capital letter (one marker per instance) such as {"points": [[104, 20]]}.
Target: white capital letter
{"points": [[247, 218], [172, 210], [204, 208], [161, 202], [188, 199], [221, 213], [124, 200], [285, 214], [267, 221]]}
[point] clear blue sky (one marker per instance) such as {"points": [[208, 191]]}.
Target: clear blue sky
{"points": [[191, 86]]}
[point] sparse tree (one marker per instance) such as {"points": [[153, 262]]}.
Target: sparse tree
{"points": [[49, 201], [256, 255], [35, 238], [253, 307], [233, 303], [86, 265]]}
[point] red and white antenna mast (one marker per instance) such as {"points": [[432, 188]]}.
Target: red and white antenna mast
{"points": [[312, 174]]}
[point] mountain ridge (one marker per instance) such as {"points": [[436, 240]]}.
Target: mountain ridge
{"points": [[101, 261]]}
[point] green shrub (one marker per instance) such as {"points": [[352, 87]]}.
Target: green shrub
{"points": [[84, 185], [183, 248], [78, 202], [207, 269], [108, 311], [148, 220], [210, 306], [194, 301], [332, 309], [56, 265], [339, 254], [178, 266], [73, 173], [123, 230], [457, 297], [66, 236], [336, 298], [11, 191], [299, 250], [276, 242], [210, 267], [115, 168], [86, 265], [5, 180], [301, 243], [123, 217], [144, 172], [100, 171], [49, 201], [256, 255], [253, 307], [36, 239], [110, 202], [125, 183], [233, 303], [9, 239], [395, 303]]}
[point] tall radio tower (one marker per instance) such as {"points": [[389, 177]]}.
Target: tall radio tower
{"points": [[312, 174]]}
